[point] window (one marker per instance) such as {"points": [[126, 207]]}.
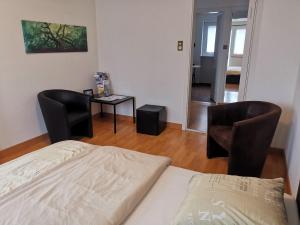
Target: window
{"points": [[239, 41], [208, 38], [211, 39]]}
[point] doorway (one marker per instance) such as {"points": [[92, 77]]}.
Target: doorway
{"points": [[219, 41], [204, 56]]}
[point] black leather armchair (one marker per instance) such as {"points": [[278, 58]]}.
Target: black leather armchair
{"points": [[242, 131], [67, 114]]}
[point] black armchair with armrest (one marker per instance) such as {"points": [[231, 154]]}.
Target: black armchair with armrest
{"points": [[67, 114], [242, 131]]}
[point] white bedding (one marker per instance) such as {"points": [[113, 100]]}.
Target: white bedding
{"points": [[95, 185], [161, 204]]}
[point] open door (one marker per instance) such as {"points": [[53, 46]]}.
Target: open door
{"points": [[221, 56], [217, 48]]}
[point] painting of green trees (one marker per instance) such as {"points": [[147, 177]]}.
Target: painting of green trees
{"points": [[42, 37]]}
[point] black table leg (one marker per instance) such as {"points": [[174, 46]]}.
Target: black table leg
{"points": [[133, 109], [101, 108], [115, 120]]}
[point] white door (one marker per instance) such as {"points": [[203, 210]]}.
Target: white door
{"points": [[217, 47], [221, 55]]}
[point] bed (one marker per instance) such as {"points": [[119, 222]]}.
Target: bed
{"points": [[76, 183]]}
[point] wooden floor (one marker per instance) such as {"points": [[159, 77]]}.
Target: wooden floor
{"points": [[202, 93], [186, 149], [198, 108]]}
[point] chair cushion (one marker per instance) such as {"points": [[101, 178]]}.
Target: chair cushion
{"points": [[75, 117], [222, 135]]}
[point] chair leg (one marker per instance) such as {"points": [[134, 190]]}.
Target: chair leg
{"points": [[214, 149]]}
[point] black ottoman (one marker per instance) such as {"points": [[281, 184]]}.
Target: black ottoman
{"points": [[151, 119]]}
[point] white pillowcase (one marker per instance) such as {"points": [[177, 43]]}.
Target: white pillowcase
{"points": [[231, 200]]}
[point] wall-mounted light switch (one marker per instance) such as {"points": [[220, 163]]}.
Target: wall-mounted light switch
{"points": [[225, 47], [180, 46]]}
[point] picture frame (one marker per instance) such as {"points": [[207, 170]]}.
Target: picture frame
{"points": [[46, 37], [88, 92]]}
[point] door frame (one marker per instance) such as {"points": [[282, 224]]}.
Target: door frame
{"points": [[254, 7]]}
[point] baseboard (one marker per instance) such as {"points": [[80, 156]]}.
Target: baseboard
{"points": [[32, 144], [176, 126]]}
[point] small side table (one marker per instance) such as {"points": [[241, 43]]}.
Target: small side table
{"points": [[114, 103]]}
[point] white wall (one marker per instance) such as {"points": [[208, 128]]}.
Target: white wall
{"points": [[274, 72], [293, 150], [137, 46], [22, 76], [2, 132], [275, 59]]}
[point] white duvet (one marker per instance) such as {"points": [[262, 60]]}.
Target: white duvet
{"points": [[74, 183]]}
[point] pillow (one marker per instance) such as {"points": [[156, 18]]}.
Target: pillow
{"points": [[232, 200]]}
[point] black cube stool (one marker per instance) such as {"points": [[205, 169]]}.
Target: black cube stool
{"points": [[151, 119]]}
